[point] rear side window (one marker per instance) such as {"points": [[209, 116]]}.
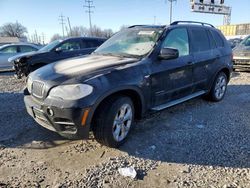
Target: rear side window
{"points": [[211, 39], [200, 40], [178, 39], [90, 43], [27, 49], [217, 38]]}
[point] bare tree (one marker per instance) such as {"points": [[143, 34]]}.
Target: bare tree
{"points": [[78, 31], [107, 33], [98, 32], [13, 30], [55, 37]]}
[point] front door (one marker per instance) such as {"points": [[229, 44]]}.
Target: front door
{"points": [[69, 48], [172, 79]]}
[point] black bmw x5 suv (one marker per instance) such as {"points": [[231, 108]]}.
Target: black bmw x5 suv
{"points": [[139, 70]]}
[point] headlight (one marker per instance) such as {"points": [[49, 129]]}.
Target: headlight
{"points": [[29, 84], [71, 92]]}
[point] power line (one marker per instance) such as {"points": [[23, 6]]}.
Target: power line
{"points": [[89, 6], [62, 22]]}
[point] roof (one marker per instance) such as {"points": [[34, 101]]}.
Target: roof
{"points": [[96, 38], [19, 44]]}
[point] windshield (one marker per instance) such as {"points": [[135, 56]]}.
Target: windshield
{"points": [[50, 46], [246, 41], [131, 42]]}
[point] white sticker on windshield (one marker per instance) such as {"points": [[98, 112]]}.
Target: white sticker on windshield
{"points": [[146, 32]]}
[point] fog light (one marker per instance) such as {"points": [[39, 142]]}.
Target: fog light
{"points": [[50, 112]]}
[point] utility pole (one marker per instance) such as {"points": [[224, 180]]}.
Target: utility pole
{"points": [[70, 29], [36, 37], [171, 10], [89, 6], [43, 38], [61, 21], [154, 20]]}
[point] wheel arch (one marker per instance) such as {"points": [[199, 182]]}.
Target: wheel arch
{"points": [[226, 70], [132, 92]]}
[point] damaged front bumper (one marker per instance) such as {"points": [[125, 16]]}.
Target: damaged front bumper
{"points": [[70, 121], [21, 68]]}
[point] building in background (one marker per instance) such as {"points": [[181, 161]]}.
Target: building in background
{"points": [[9, 40], [236, 30]]}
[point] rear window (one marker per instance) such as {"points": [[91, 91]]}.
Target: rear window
{"points": [[217, 38], [200, 40], [27, 49]]}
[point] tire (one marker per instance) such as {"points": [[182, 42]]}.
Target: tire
{"points": [[110, 126], [219, 87]]}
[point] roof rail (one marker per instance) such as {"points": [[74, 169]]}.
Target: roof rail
{"points": [[194, 22], [135, 26], [147, 26]]}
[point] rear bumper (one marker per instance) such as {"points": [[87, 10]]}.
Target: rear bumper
{"points": [[61, 120], [241, 63]]}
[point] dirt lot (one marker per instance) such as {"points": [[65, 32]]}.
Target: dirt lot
{"points": [[195, 144]]}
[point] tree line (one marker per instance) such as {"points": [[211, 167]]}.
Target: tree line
{"points": [[18, 30]]}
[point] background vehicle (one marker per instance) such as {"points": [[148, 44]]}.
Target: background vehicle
{"points": [[138, 70], [55, 51], [10, 50], [241, 55], [234, 42]]}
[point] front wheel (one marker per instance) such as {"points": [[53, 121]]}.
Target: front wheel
{"points": [[219, 87], [113, 121]]}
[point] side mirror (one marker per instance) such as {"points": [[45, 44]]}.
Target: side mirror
{"points": [[168, 53], [58, 50]]}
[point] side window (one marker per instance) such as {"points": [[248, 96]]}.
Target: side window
{"points": [[90, 43], [211, 39], [218, 39], [200, 40], [70, 46], [27, 49], [178, 39], [9, 50]]}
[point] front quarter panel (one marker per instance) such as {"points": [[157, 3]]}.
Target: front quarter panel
{"points": [[127, 77]]}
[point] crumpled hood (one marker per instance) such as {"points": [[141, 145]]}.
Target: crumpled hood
{"points": [[27, 54], [78, 68], [241, 50]]}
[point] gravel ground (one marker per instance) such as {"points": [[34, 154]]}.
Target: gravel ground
{"points": [[194, 144]]}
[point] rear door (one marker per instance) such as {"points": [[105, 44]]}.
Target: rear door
{"points": [[172, 79], [204, 54], [89, 45]]}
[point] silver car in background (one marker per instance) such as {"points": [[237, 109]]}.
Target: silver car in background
{"points": [[9, 50]]}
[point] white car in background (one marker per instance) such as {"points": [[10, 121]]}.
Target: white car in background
{"points": [[9, 50]]}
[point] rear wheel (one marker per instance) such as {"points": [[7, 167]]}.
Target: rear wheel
{"points": [[219, 87], [113, 121]]}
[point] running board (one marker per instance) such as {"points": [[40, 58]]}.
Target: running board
{"points": [[178, 101]]}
